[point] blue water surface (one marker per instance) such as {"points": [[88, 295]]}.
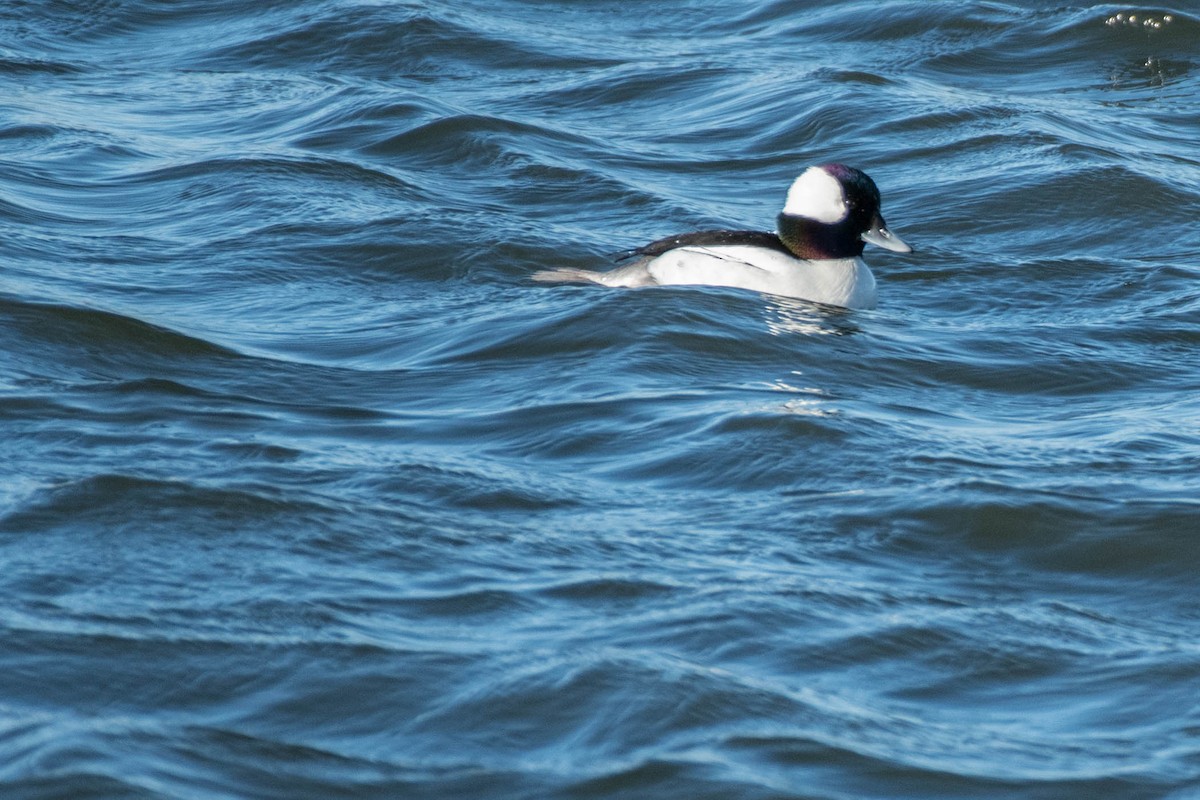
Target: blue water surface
{"points": [[310, 492]]}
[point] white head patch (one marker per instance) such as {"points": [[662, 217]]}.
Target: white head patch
{"points": [[817, 195]]}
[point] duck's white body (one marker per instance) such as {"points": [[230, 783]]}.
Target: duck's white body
{"points": [[845, 282]]}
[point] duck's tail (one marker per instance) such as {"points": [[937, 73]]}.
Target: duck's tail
{"points": [[568, 275]]}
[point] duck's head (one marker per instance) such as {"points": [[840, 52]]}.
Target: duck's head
{"points": [[832, 211]]}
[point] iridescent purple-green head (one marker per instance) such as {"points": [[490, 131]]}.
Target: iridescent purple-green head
{"points": [[832, 211]]}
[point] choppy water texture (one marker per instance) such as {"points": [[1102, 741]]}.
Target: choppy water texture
{"points": [[311, 493]]}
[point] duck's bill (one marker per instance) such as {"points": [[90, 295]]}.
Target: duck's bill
{"points": [[880, 236]]}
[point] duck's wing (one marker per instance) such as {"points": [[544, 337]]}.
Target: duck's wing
{"points": [[705, 239]]}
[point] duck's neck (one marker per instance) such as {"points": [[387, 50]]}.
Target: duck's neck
{"points": [[814, 241]]}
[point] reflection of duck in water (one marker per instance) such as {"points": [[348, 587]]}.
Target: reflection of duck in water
{"points": [[790, 315], [831, 212]]}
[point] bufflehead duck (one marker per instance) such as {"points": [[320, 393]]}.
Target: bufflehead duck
{"points": [[830, 213]]}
